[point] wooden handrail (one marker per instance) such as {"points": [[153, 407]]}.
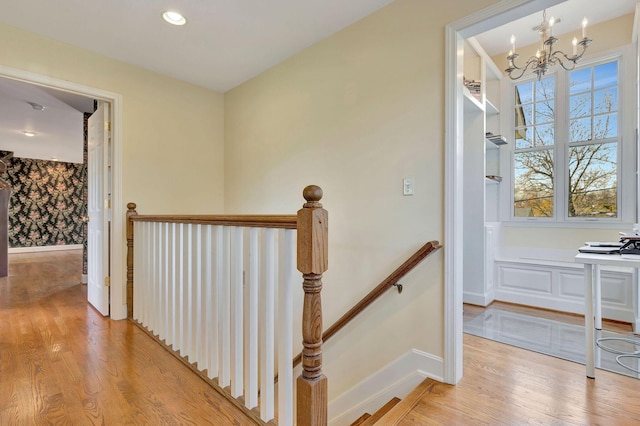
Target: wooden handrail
{"points": [[255, 221], [385, 285]]}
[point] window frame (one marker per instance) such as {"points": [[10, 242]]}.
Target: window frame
{"points": [[626, 147]]}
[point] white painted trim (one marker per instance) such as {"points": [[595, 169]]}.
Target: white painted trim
{"points": [[397, 379], [84, 279], [44, 248], [478, 299], [473, 24], [118, 272]]}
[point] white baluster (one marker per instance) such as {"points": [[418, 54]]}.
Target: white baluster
{"points": [[166, 280], [153, 323], [200, 300], [188, 293], [146, 310], [251, 373], [210, 306], [267, 334], [225, 313], [213, 298], [161, 283], [138, 270], [285, 328], [172, 275], [179, 335], [237, 301]]}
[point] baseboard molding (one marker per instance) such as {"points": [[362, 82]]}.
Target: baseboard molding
{"points": [[84, 279], [44, 248], [478, 299], [397, 379]]}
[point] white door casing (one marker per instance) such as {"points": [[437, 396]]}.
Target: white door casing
{"points": [[98, 206]]}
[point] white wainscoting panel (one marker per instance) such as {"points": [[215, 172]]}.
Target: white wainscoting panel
{"points": [[557, 287]]}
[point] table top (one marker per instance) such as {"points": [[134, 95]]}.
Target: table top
{"points": [[632, 261]]}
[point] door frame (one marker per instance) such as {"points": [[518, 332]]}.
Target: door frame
{"points": [[455, 33], [118, 300]]}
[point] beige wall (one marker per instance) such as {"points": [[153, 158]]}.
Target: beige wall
{"points": [[173, 134], [355, 114], [606, 36]]}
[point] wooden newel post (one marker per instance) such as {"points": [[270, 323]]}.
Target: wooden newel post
{"points": [[131, 211], [312, 262]]}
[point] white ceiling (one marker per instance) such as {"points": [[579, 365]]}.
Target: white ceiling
{"points": [[59, 127], [224, 43], [570, 12]]}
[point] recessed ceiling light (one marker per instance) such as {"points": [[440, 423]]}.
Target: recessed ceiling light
{"points": [[174, 18], [29, 133]]}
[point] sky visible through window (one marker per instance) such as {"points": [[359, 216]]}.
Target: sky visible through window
{"points": [[591, 167]]}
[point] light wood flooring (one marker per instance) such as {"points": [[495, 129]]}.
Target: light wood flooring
{"points": [[61, 362], [505, 385]]}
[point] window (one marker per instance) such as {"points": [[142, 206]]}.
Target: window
{"points": [[567, 133]]}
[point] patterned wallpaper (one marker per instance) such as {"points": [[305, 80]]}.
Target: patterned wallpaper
{"points": [[47, 202]]}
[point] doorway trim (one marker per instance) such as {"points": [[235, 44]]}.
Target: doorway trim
{"points": [[455, 33], [118, 309]]}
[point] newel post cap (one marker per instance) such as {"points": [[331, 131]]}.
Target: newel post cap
{"points": [[312, 233]]}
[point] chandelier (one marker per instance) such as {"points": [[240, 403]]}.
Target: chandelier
{"points": [[546, 57]]}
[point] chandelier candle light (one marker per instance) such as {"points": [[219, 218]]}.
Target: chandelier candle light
{"points": [[546, 57]]}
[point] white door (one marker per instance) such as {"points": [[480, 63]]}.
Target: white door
{"points": [[98, 207]]}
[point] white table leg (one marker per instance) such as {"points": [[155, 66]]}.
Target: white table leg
{"points": [[588, 320], [636, 286], [597, 296]]}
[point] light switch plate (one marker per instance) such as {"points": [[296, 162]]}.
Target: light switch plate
{"points": [[407, 186]]}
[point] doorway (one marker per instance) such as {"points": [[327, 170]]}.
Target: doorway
{"points": [[111, 176]]}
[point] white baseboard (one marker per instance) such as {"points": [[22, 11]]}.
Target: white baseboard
{"points": [[478, 299], [397, 379], [84, 279], [44, 248]]}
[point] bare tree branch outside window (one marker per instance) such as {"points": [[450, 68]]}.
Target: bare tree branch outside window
{"points": [[592, 167]]}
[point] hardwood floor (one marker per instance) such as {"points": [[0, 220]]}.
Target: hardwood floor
{"points": [[61, 362], [505, 385]]}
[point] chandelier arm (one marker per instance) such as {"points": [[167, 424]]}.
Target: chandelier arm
{"points": [[555, 58], [532, 62]]}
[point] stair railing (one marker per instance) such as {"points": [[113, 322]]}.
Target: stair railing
{"points": [[388, 283], [206, 286]]}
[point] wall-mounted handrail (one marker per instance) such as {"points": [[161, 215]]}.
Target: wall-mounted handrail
{"points": [[385, 285]]}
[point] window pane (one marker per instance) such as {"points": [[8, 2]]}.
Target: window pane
{"points": [[544, 135], [605, 100], [580, 105], [580, 130], [524, 93], [533, 186], [544, 112], [580, 80], [605, 126], [524, 138], [593, 179], [605, 75], [524, 115], [545, 89]]}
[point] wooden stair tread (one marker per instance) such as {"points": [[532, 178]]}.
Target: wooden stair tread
{"points": [[363, 418], [404, 407], [381, 412]]}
